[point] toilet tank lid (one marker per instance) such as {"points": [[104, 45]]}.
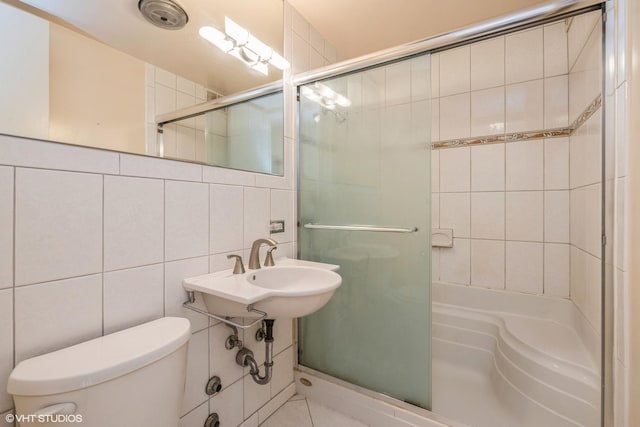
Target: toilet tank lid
{"points": [[99, 360]]}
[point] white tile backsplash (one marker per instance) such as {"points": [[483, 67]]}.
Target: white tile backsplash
{"points": [[556, 164], [487, 73], [556, 269], [488, 111], [525, 106], [488, 167], [227, 207], [455, 116], [524, 267], [455, 211], [525, 165], [555, 49], [132, 297], [228, 405], [50, 316], [6, 227], [455, 71], [58, 225], [487, 215], [186, 220], [133, 222], [455, 169], [556, 102], [257, 214], [524, 217], [175, 295], [487, 263], [556, 216], [524, 56]]}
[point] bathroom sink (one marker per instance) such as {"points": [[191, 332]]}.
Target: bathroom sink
{"points": [[292, 288]]}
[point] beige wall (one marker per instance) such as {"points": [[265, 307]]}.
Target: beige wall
{"points": [[633, 55], [97, 94]]}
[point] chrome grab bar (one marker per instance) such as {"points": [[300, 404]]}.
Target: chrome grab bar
{"points": [[362, 228]]}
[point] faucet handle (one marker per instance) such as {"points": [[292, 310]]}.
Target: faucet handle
{"points": [[268, 260], [238, 268]]}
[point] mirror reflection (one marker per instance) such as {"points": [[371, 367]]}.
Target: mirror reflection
{"points": [[98, 73]]}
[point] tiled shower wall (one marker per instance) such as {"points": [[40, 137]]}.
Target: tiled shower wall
{"points": [[507, 203], [526, 215], [102, 241]]}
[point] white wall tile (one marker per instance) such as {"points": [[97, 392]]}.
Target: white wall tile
{"points": [[524, 219], [282, 372], [586, 288], [435, 264], [435, 75], [282, 209], [435, 119], [455, 262], [255, 395], [186, 143], [315, 59], [556, 216], [195, 418], [58, 225], [487, 263], [555, 49], [228, 176], [622, 141], [435, 171], [6, 346], [44, 154], [398, 83], [487, 64], [299, 25], [222, 362], [166, 99], [585, 154], [257, 214], [524, 56], [556, 270], [228, 404], [373, 90], [6, 228], [150, 167], [487, 112], [524, 267], [556, 164], [132, 297], [282, 335], [455, 116], [581, 28], [455, 76], [525, 105], [197, 371], [166, 78], [420, 78], [330, 52], [175, 295], [487, 167], [300, 57], [455, 169], [435, 210], [585, 221], [185, 86], [184, 100], [524, 165], [133, 222], [556, 102], [50, 316], [186, 220], [488, 215], [455, 211], [316, 40], [226, 218]]}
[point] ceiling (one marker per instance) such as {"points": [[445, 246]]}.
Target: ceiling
{"points": [[358, 27], [119, 24]]}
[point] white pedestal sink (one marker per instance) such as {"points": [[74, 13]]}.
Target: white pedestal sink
{"points": [[292, 288]]}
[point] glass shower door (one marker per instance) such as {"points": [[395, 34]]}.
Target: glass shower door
{"points": [[364, 203]]}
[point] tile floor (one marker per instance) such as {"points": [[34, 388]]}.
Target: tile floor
{"points": [[300, 412]]}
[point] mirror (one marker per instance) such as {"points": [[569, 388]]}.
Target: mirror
{"points": [[98, 73]]}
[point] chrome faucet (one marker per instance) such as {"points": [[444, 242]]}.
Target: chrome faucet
{"points": [[254, 257]]}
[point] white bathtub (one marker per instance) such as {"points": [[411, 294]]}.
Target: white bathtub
{"points": [[512, 360]]}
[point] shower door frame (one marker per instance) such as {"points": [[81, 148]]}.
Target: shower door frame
{"points": [[485, 30]]}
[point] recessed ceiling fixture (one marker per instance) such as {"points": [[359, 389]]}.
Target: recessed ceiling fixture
{"points": [[240, 43], [165, 14]]}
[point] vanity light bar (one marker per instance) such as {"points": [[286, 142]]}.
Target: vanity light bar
{"points": [[241, 44], [325, 96]]}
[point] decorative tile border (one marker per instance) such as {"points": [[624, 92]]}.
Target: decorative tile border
{"points": [[523, 136]]}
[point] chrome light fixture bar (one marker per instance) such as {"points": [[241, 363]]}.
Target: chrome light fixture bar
{"points": [[241, 44]]}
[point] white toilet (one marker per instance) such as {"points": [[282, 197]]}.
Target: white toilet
{"points": [[132, 378]]}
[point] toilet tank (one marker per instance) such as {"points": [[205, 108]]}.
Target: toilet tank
{"points": [[134, 377]]}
